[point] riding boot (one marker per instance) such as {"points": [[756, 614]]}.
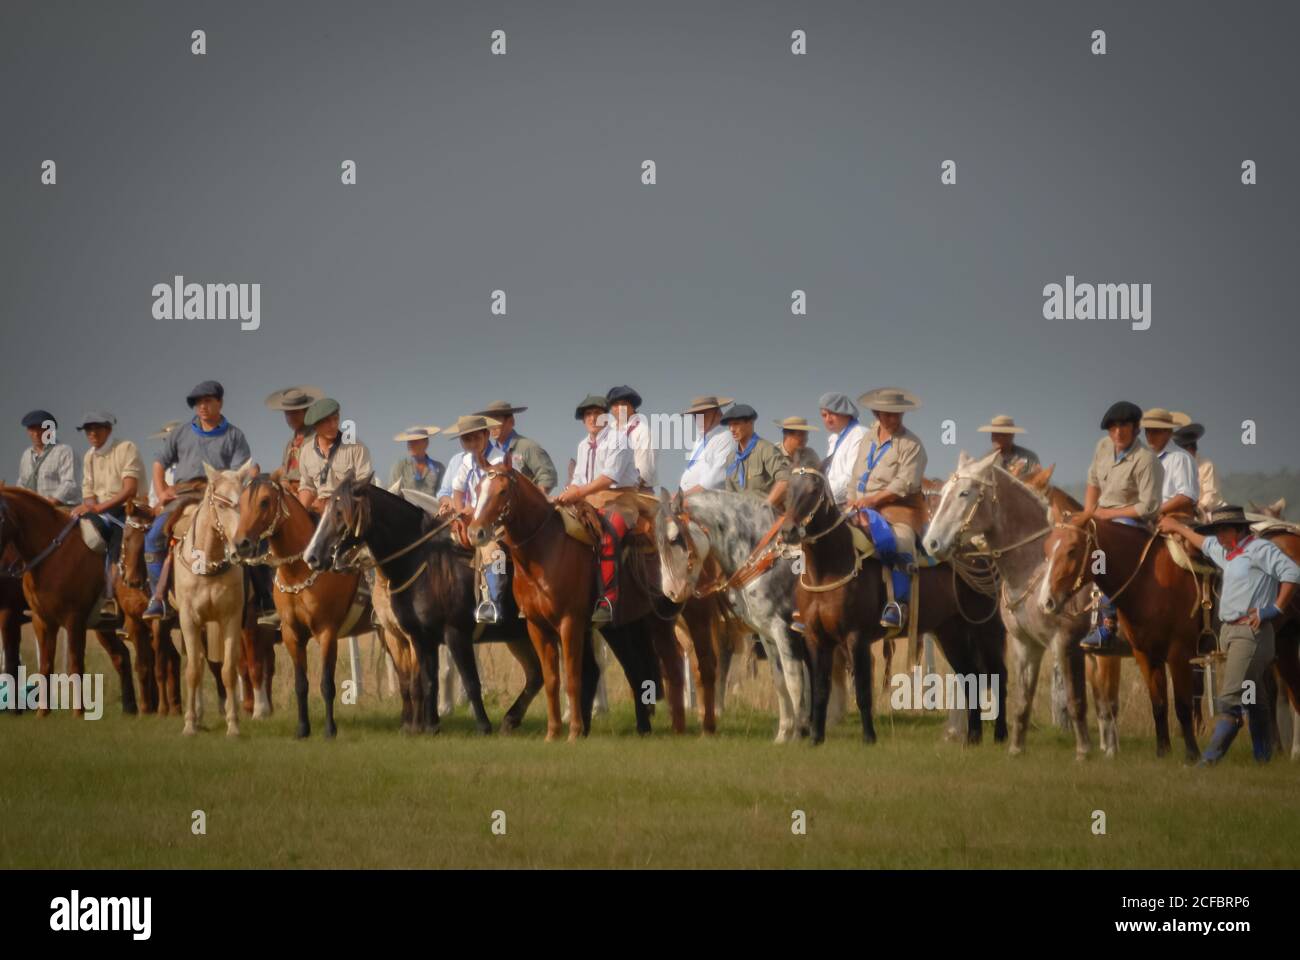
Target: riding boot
{"points": [[1102, 635], [1261, 736], [612, 537], [158, 580], [894, 616], [1225, 731]]}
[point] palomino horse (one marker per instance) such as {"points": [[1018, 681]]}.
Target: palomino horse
{"points": [[62, 581], [554, 585], [841, 594], [209, 589], [707, 543], [311, 603], [983, 501], [430, 591]]}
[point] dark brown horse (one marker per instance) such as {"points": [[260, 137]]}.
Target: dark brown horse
{"points": [[841, 594], [63, 581], [554, 585]]}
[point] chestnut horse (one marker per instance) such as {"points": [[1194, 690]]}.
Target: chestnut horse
{"points": [[555, 587], [62, 580], [841, 595], [430, 591]]}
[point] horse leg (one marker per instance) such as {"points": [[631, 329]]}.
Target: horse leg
{"points": [[251, 669], [47, 636], [166, 665], [77, 665], [461, 648], [1070, 660], [793, 668], [1180, 673], [860, 647], [329, 654], [702, 629], [192, 631], [663, 638], [724, 651], [297, 647], [1029, 661], [1157, 689], [839, 702], [591, 679], [573, 641], [623, 642], [787, 709], [146, 669], [548, 653], [1287, 645], [523, 652], [11, 632], [887, 650], [230, 662], [819, 656], [121, 658]]}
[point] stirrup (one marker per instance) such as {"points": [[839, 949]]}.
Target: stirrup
{"points": [[796, 623], [157, 609], [603, 612], [270, 618], [486, 612], [1099, 639], [899, 616], [109, 610]]}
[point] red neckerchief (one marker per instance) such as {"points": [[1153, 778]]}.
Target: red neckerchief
{"points": [[1241, 545]]}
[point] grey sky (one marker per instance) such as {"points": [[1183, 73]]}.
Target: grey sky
{"points": [[776, 172]]}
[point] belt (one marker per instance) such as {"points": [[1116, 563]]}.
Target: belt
{"points": [[1241, 621]]}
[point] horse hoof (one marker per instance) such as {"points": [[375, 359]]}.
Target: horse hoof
{"points": [[189, 730], [485, 729], [509, 725], [303, 731], [1015, 750], [232, 730], [331, 732]]}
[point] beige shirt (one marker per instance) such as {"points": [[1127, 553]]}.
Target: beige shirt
{"points": [[898, 469], [1211, 499], [1136, 481], [322, 482], [103, 470]]}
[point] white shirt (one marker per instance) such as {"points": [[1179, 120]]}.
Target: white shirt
{"points": [[707, 465], [614, 458], [843, 454], [643, 452], [584, 461], [469, 475], [1181, 476]]}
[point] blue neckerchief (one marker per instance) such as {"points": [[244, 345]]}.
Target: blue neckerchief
{"points": [[502, 445], [216, 431], [1119, 457], [840, 436], [873, 458], [699, 448], [738, 467], [428, 461]]}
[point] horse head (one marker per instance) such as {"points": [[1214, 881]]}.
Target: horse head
{"points": [[222, 500], [1067, 548], [497, 494], [343, 524], [130, 561], [808, 494], [263, 504], [967, 505], [1276, 509], [683, 546]]}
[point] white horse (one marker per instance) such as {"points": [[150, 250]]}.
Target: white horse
{"points": [[1009, 519], [209, 587]]}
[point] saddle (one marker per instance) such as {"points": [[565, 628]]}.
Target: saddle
{"points": [[1178, 550], [638, 510], [581, 522], [92, 538]]}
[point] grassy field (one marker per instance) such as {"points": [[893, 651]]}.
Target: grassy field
{"points": [[120, 792]]}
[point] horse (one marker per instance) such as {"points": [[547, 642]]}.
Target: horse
{"points": [[430, 590], [840, 594], [1009, 516], [210, 591], [62, 582], [311, 603], [554, 586], [720, 532]]}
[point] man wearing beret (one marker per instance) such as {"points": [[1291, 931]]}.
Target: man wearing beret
{"points": [[48, 467], [328, 458], [754, 465], [623, 403], [840, 417], [111, 475], [208, 438], [1124, 484], [593, 413], [526, 456], [293, 401]]}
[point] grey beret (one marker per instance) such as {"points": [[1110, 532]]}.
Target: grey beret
{"points": [[318, 411], [837, 403], [97, 416]]}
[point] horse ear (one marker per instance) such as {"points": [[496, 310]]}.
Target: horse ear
{"points": [[664, 496], [676, 503], [963, 458], [1045, 475], [1279, 507], [211, 472]]}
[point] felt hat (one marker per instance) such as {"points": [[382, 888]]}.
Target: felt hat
{"points": [[889, 400], [294, 398], [1000, 424], [1224, 517], [319, 410], [499, 409], [795, 423], [624, 393], [1158, 418], [707, 402], [38, 418], [470, 424], [1187, 435]]}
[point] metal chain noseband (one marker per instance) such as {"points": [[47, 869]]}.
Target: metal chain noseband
{"points": [[210, 567]]}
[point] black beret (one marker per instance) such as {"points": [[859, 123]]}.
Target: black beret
{"points": [[37, 418], [623, 393], [740, 411], [1121, 412]]}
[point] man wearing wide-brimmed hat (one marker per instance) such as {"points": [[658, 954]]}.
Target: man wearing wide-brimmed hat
{"points": [[417, 470], [754, 465], [1180, 489], [624, 404], [208, 438], [1259, 581], [1124, 484], [473, 432], [329, 456], [706, 465], [1013, 457], [526, 456], [1187, 435], [844, 440], [794, 442], [48, 467], [889, 469], [293, 401]]}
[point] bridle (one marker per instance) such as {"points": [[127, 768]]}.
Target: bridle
{"points": [[823, 499], [499, 531], [281, 512], [134, 524], [354, 539], [759, 561], [15, 571], [208, 568]]}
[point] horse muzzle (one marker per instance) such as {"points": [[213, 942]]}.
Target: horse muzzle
{"points": [[244, 548], [314, 559], [477, 535]]}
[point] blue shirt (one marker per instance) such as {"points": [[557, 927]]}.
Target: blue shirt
{"points": [[188, 447], [453, 467], [1251, 578]]}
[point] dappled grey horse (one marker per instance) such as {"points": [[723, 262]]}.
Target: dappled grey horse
{"points": [[717, 531]]}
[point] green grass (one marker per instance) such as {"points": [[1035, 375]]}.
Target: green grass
{"points": [[119, 792]]}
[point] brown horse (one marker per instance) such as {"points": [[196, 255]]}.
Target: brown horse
{"points": [[13, 614], [63, 581], [841, 593], [311, 603], [555, 588]]}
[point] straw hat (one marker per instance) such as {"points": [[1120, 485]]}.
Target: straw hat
{"points": [[167, 428], [795, 423], [1179, 418], [417, 433], [1158, 418], [707, 402], [889, 400], [294, 398], [1000, 424], [470, 424]]}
